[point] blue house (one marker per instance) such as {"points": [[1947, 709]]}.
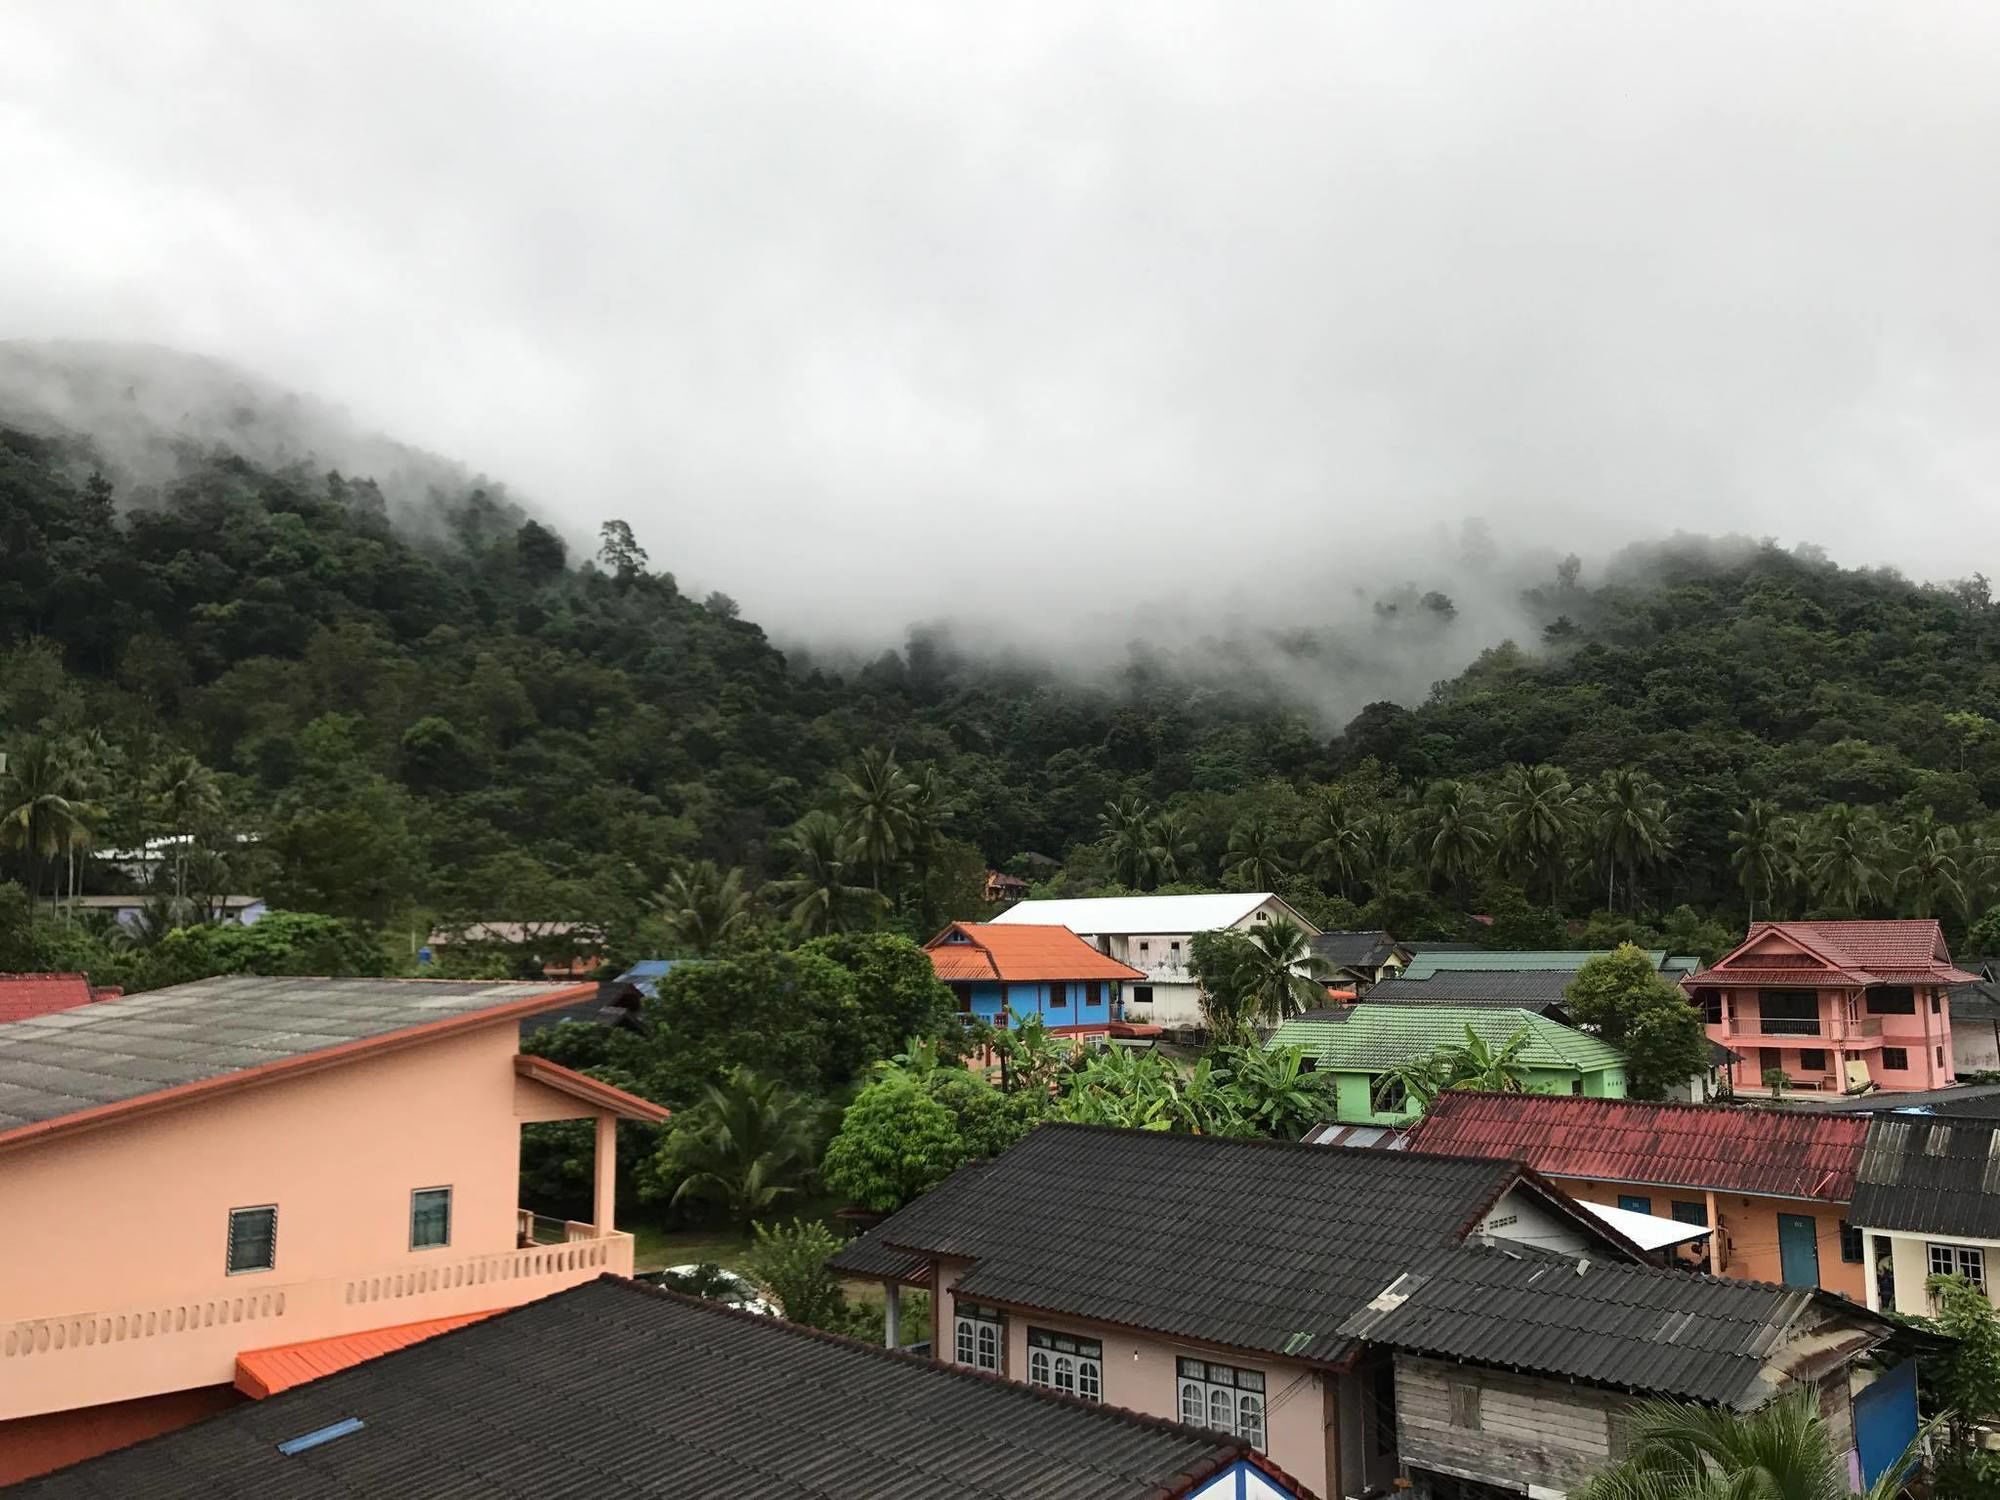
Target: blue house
{"points": [[1003, 975]]}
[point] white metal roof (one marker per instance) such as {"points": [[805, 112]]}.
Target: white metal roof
{"points": [[1647, 1231], [1119, 915]]}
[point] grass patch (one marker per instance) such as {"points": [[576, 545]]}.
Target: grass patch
{"points": [[654, 1249]]}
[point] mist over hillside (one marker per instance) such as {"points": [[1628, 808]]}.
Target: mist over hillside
{"points": [[152, 415]]}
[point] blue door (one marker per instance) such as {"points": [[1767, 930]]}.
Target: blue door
{"points": [[1885, 1419], [1798, 1249]]}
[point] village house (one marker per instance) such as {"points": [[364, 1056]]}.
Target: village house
{"points": [[1774, 1186], [1834, 1006], [1154, 934], [1007, 975], [1927, 1198], [244, 1163], [555, 949], [1975, 1018], [129, 912], [1251, 1286], [612, 1387], [1361, 1044], [1001, 887], [1360, 960]]}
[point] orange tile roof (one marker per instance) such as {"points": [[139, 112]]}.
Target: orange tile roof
{"points": [[265, 1372], [1024, 954], [1893, 951]]}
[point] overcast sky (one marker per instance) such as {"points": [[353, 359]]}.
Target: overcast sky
{"points": [[865, 311]]}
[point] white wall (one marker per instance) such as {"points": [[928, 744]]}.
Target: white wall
{"points": [[1524, 1219], [1910, 1255]]}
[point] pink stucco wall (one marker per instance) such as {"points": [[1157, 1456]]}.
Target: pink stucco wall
{"points": [[113, 1279], [1846, 1031], [1140, 1375]]}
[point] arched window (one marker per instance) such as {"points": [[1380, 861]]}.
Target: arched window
{"points": [[1067, 1363], [1038, 1367], [1066, 1374]]}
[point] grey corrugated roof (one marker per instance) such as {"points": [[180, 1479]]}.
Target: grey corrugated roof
{"points": [[1532, 988], [1929, 1175], [1639, 1328], [1358, 950], [612, 1389], [1978, 1100], [1258, 1244], [123, 1049]]}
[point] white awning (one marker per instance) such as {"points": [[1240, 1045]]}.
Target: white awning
{"points": [[1647, 1231]]}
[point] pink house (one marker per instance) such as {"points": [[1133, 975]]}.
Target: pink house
{"points": [[1838, 1007], [202, 1178]]}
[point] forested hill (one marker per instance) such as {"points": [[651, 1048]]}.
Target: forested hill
{"points": [[475, 724]]}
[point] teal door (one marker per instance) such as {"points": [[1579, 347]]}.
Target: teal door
{"points": [[1798, 1249]]}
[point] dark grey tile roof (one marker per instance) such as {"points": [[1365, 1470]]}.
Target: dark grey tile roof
{"points": [[1635, 1327], [1155, 1230], [1979, 1001], [1931, 1175], [116, 1050], [1355, 950], [1530, 988], [620, 1391]]}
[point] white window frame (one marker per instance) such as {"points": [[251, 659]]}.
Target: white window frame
{"points": [[978, 1337], [1223, 1397], [228, 1244], [1968, 1261], [416, 1193], [1065, 1363]]}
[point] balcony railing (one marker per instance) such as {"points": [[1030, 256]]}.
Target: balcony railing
{"points": [[118, 1353], [1779, 1026]]}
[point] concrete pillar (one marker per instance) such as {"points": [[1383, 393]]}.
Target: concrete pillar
{"points": [[604, 1206], [892, 1317]]}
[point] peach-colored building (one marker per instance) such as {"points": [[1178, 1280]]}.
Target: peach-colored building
{"points": [[1837, 1007], [248, 1163]]}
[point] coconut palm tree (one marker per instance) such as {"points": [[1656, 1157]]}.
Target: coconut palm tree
{"points": [[1679, 1451], [1844, 859], [1382, 840], [1453, 836], [1762, 851], [821, 897], [1931, 876], [1536, 810], [1279, 973], [43, 811], [702, 908], [185, 796], [878, 803], [1170, 848], [1127, 823], [1255, 859], [1336, 843], [745, 1146], [1631, 829]]}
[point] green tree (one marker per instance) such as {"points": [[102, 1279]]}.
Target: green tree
{"points": [[703, 909], [1170, 848], [1279, 971], [1273, 1091], [1127, 825], [1452, 835], [43, 812], [1782, 1451], [1221, 963], [895, 1142], [1255, 859], [790, 1263], [1844, 857], [1536, 810], [1632, 829], [1336, 843], [1762, 844], [878, 802], [819, 898], [1930, 878], [747, 1145], [1964, 1382], [1626, 1001]]}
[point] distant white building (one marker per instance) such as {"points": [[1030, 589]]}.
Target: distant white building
{"points": [[1152, 934]]}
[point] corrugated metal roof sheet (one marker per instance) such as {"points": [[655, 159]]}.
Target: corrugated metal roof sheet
{"points": [[1376, 1037], [1933, 1176], [1119, 915], [1534, 989], [1562, 960], [617, 1389], [117, 1050], [262, 1373], [1786, 1153]]}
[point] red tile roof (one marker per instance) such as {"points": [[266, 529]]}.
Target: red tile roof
{"points": [[1024, 953], [1901, 951], [265, 1372], [1783, 1153], [26, 995]]}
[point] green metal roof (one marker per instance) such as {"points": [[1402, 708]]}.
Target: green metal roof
{"points": [[1369, 1038], [1501, 961]]}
